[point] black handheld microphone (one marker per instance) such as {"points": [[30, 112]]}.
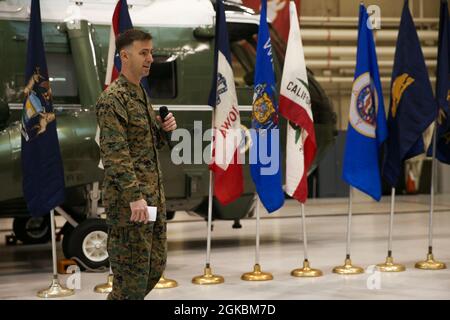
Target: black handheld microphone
{"points": [[163, 112]]}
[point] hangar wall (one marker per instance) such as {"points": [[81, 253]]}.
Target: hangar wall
{"points": [[334, 64]]}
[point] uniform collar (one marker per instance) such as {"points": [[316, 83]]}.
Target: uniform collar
{"points": [[137, 91]]}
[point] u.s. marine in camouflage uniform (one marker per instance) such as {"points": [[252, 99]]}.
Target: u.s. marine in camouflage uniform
{"points": [[130, 136]]}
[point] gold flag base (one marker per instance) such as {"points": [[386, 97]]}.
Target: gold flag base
{"points": [[208, 278], [164, 283], [257, 275], [306, 271], [105, 287], [430, 264], [390, 266], [348, 268], [55, 290]]}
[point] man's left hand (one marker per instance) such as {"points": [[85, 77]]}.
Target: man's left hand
{"points": [[169, 123]]}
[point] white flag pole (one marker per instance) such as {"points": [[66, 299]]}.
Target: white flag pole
{"points": [[306, 271], [257, 274], [430, 263], [208, 277], [56, 290], [348, 267], [389, 265]]}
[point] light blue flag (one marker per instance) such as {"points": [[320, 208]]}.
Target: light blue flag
{"points": [[265, 151], [367, 129]]}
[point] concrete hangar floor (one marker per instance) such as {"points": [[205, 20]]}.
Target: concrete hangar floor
{"points": [[25, 269]]}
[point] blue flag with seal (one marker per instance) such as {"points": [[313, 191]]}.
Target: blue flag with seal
{"points": [[367, 129], [42, 169], [412, 105], [442, 88], [265, 150]]}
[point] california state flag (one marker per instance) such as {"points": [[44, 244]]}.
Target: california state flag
{"points": [[295, 106]]}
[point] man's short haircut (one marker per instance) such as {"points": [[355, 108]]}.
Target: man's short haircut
{"points": [[128, 37]]}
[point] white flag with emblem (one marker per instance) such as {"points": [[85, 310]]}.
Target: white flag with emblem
{"points": [[228, 177], [295, 106]]}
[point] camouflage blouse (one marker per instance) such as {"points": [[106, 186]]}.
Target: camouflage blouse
{"points": [[130, 137]]}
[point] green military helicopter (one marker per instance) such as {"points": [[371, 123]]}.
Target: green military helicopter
{"points": [[76, 35]]}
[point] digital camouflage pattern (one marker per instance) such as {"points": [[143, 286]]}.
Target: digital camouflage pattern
{"points": [[128, 148], [138, 257], [129, 141]]}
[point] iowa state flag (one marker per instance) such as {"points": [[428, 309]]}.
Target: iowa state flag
{"points": [[412, 105], [42, 168], [228, 178], [442, 88], [265, 165], [367, 129], [295, 106]]}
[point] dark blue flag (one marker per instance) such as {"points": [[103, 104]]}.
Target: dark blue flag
{"points": [[367, 128], [42, 169], [265, 151], [412, 105], [442, 87]]}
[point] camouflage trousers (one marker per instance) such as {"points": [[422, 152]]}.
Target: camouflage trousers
{"points": [[137, 255]]}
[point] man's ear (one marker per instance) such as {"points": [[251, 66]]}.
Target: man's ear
{"points": [[123, 54]]}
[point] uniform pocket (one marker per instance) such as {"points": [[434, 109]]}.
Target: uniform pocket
{"points": [[140, 123]]}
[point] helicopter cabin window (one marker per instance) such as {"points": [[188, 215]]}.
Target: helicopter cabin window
{"points": [[163, 77], [62, 76], [63, 79]]}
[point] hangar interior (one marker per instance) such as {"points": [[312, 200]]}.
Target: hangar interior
{"points": [[329, 33]]}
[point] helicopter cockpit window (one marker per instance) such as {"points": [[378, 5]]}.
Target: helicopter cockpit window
{"points": [[63, 79], [163, 77]]}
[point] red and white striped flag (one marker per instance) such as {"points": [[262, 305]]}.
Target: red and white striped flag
{"points": [[295, 106], [111, 70], [121, 22]]}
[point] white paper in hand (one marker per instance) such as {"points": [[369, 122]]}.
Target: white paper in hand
{"points": [[151, 213]]}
